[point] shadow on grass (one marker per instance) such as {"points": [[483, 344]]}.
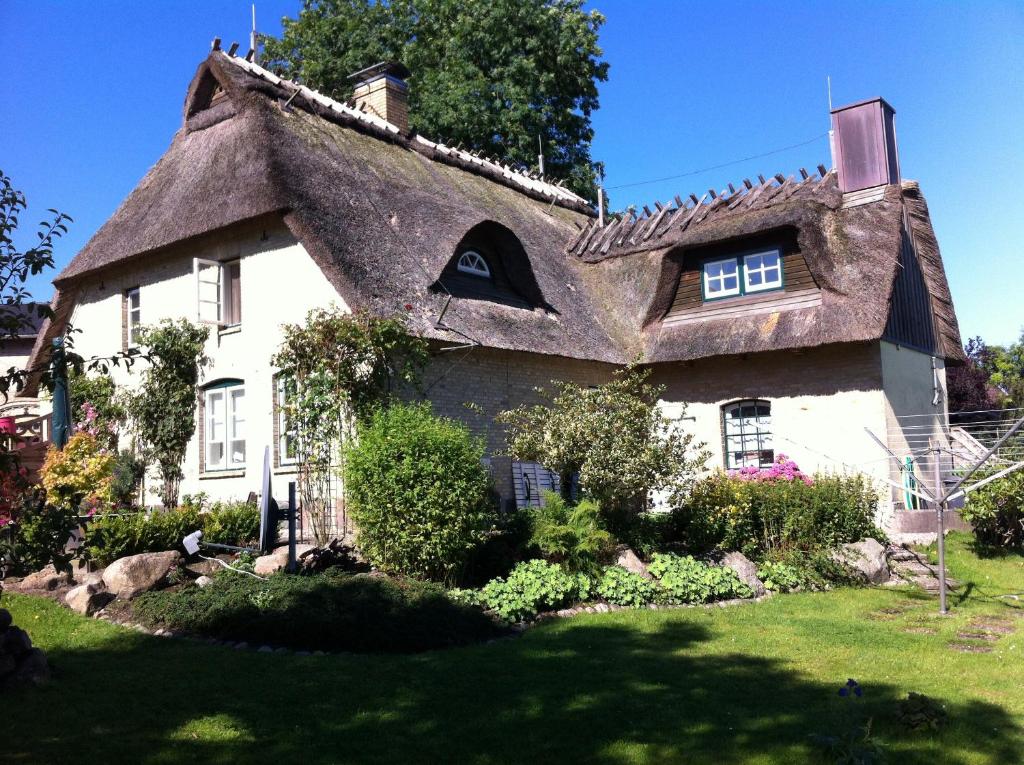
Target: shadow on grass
{"points": [[583, 692]]}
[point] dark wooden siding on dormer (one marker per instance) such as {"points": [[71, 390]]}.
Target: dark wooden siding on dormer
{"points": [[799, 288], [910, 312]]}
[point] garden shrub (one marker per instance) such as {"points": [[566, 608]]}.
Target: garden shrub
{"points": [[112, 536], [996, 511], [79, 474], [759, 516], [624, 588], [126, 478], [781, 577], [418, 492], [683, 579], [532, 587], [332, 611], [37, 534], [572, 535], [505, 545]]}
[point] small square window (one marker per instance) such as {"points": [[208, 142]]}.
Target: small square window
{"points": [[721, 278], [762, 271]]}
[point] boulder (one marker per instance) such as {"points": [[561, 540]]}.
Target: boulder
{"points": [[128, 577], [32, 668], [45, 579], [16, 642], [278, 559], [95, 577], [746, 570], [866, 558], [629, 560], [204, 581], [87, 599]]}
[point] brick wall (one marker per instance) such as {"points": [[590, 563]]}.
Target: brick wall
{"points": [[495, 380]]}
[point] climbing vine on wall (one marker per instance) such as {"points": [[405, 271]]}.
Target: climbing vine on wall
{"points": [[337, 368]]}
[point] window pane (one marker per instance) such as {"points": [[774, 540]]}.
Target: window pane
{"points": [[233, 299], [747, 433], [215, 455]]}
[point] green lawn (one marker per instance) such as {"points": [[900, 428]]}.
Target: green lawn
{"points": [[747, 684]]}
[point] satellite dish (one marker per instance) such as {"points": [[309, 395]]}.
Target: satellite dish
{"points": [[268, 508]]}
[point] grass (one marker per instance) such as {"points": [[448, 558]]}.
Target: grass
{"points": [[747, 684]]}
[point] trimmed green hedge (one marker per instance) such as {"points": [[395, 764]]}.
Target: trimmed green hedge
{"points": [[113, 536]]}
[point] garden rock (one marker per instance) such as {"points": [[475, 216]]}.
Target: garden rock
{"points": [[866, 558], [745, 570], [87, 599], [204, 581], [628, 560], [136, 574], [45, 579], [278, 559], [19, 662]]}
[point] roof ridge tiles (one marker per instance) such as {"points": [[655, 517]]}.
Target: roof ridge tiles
{"points": [[518, 178]]}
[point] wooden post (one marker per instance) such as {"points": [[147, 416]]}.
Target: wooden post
{"points": [[940, 523]]}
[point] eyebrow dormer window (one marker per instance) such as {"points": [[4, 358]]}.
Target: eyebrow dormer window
{"points": [[743, 275], [473, 263]]}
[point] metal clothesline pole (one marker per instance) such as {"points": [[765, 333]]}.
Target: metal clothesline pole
{"points": [[940, 521]]}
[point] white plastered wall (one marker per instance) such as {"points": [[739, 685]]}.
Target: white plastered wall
{"points": [[821, 402], [280, 284]]}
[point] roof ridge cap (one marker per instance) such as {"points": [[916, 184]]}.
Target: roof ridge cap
{"points": [[542, 186]]}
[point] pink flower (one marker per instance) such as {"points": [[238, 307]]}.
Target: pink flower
{"points": [[783, 469]]}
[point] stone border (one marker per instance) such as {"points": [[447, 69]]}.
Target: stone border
{"points": [[604, 608]]}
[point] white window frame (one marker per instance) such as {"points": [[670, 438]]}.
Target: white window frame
{"points": [[283, 434], [134, 322], [708, 294], [221, 287], [231, 426], [764, 285], [473, 263]]}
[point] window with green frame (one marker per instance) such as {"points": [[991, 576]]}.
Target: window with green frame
{"points": [[746, 274], [747, 431]]}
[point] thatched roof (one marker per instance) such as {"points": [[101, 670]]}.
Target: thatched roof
{"points": [[384, 213]]}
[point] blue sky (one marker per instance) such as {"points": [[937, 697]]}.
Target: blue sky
{"points": [[93, 92]]}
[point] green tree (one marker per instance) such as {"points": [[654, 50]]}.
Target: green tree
{"points": [[163, 410], [493, 75], [615, 438], [16, 266], [1005, 365]]}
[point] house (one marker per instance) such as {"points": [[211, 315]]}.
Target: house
{"points": [[787, 315], [16, 348]]}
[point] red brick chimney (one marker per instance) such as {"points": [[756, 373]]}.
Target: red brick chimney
{"points": [[382, 89], [864, 145]]}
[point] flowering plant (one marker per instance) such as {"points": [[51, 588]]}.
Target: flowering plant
{"points": [[783, 469], [78, 474]]}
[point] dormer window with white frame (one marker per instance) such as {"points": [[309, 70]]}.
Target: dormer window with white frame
{"points": [[746, 274], [473, 263], [218, 292]]}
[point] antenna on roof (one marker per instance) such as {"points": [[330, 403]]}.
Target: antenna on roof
{"points": [[540, 155], [831, 132], [252, 36]]}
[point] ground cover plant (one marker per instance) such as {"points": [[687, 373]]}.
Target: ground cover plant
{"points": [[703, 686], [332, 611]]}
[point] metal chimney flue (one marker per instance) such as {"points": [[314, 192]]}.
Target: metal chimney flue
{"points": [[864, 145]]}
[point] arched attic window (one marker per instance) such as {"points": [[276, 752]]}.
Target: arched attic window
{"points": [[473, 263], [490, 264]]}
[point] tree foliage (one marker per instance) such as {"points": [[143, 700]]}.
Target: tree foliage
{"points": [[969, 387], [493, 75], [615, 438], [163, 408], [337, 368]]}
